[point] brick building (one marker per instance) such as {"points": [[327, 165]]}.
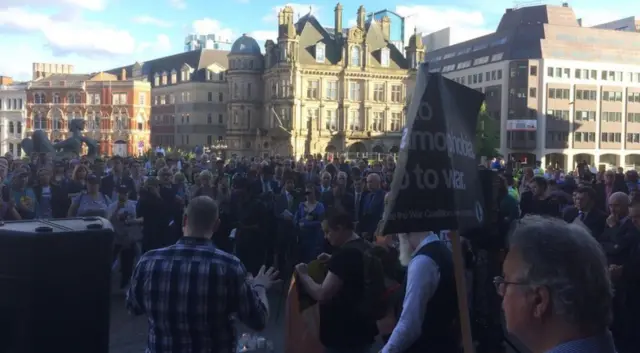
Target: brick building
{"points": [[116, 109]]}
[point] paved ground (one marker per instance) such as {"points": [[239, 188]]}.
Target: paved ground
{"points": [[129, 334]]}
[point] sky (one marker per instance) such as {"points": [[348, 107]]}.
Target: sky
{"points": [[96, 35]]}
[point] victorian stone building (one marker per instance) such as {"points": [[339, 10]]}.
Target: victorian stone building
{"points": [[315, 89], [320, 89]]}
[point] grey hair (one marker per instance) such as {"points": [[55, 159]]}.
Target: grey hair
{"points": [[567, 260]]}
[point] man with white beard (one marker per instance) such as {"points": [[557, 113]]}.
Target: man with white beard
{"points": [[428, 319]]}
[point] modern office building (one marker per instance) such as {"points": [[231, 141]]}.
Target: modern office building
{"points": [[206, 41], [562, 93], [12, 115], [438, 39], [396, 26]]}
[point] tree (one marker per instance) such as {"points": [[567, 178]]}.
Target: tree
{"points": [[487, 135]]}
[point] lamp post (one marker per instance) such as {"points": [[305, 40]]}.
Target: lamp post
{"points": [[219, 147]]}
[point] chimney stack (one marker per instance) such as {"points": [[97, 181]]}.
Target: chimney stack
{"points": [[123, 74], [385, 23], [361, 16], [338, 19]]}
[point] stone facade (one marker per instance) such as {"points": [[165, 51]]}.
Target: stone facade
{"points": [[12, 117], [320, 90]]}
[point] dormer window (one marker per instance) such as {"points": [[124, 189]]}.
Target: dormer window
{"points": [[355, 56], [385, 57], [185, 75], [320, 52], [156, 80], [174, 76], [164, 78]]}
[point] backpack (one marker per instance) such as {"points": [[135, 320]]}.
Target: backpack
{"points": [[374, 303]]}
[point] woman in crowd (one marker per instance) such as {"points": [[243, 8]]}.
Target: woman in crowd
{"points": [[309, 220], [180, 182], [78, 182], [92, 203]]}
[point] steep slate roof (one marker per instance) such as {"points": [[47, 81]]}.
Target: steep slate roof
{"points": [[311, 32], [543, 31], [196, 59]]}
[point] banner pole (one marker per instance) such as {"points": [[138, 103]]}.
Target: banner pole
{"points": [[461, 289]]}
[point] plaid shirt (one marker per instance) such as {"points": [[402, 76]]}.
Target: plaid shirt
{"points": [[189, 291]]}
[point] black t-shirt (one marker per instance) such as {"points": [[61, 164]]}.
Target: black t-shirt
{"points": [[341, 325]]}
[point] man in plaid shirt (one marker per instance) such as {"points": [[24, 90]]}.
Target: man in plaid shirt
{"points": [[190, 290]]}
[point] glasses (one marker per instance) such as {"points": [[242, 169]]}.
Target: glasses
{"points": [[501, 285]]}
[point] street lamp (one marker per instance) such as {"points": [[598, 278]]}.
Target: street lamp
{"points": [[219, 145]]}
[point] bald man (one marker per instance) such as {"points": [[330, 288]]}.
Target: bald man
{"points": [[373, 207]]}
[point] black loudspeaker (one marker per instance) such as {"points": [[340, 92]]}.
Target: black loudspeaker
{"points": [[55, 282]]}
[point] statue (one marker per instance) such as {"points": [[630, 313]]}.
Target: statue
{"points": [[69, 148]]}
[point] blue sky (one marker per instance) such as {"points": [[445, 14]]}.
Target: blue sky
{"points": [[101, 34]]}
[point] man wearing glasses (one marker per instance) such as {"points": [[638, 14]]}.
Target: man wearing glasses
{"points": [[557, 296]]}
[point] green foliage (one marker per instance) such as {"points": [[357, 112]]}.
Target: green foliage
{"points": [[487, 135]]}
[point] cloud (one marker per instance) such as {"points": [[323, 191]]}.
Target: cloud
{"points": [[298, 9], [211, 26], [352, 22], [264, 35], [148, 20], [63, 37], [91, 5], [178, 4], [465, 23]]}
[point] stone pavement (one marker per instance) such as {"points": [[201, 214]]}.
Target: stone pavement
{"points": [[129, 333]]}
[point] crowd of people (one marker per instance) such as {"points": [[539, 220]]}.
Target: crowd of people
{"points": [[213, 235]]}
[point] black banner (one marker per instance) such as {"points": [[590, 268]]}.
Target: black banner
{"points": [[435, 186]]}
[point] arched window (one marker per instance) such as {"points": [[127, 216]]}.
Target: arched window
{"points": [[11, 127], [355, 56], [39, 122], [58, 120], [19, 124]]}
